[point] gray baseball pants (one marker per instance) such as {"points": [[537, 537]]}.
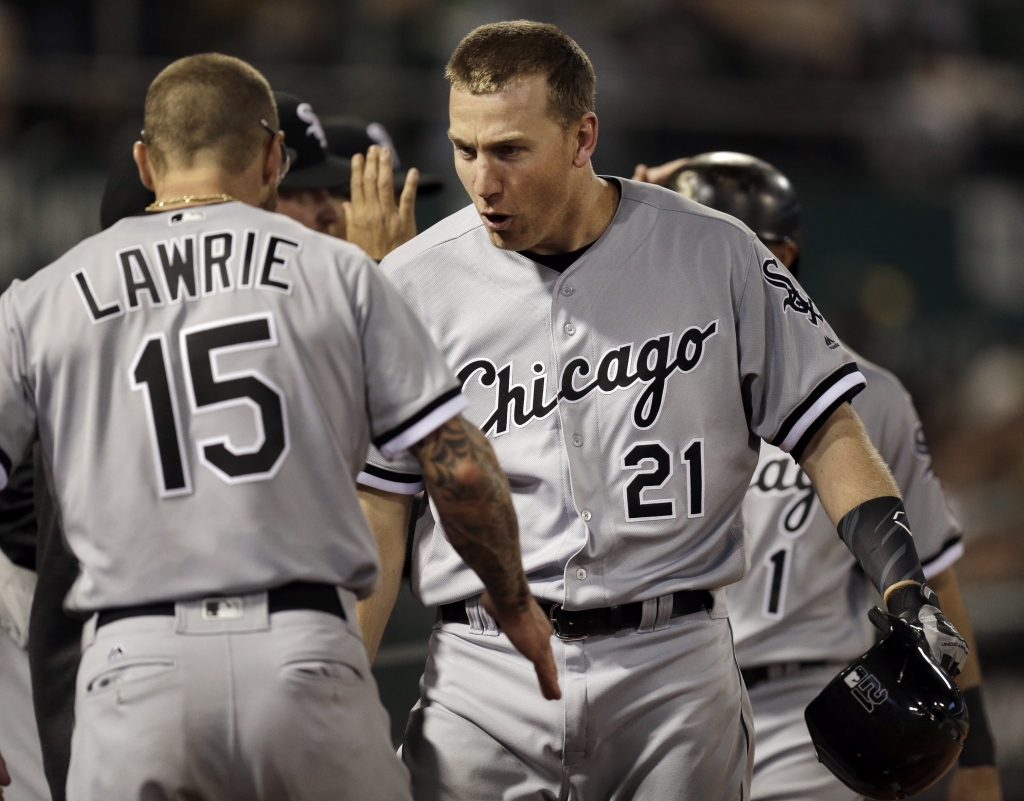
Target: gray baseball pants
{"points": [[255, 706], [19, 737], [646, 715], [785, 765]]}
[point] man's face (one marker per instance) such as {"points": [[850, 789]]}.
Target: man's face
{"points": [[311, 207], [514, 159]]}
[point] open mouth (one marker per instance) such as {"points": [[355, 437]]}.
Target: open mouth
{"points": [[497, 222]]}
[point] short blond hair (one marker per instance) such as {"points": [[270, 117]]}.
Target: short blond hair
{"points": [[208, 102], [490, 57]]}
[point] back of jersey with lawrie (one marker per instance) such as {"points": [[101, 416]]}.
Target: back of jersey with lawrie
{"points": [[205, 385]]}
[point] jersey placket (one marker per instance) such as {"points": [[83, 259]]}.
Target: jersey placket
{"points": [[572, 338]]}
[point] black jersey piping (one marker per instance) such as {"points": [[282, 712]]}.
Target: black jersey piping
{"points": [[383, 439], [952, 542], [5, 462], [813, 428], [388, 475], [823, 387]]}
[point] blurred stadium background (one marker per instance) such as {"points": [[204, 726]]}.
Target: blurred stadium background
{"points": [[901, 122]]}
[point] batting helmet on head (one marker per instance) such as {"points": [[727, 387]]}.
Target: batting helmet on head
{"points": [[749, 189], [892, 723]]}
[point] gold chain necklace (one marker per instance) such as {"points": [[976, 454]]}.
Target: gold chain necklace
{"points": [[174, 201]]}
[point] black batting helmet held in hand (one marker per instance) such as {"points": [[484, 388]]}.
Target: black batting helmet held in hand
{"points": [[749, 189], [892, 723]]}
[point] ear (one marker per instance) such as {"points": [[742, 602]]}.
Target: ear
{"points": [[586, 139], [141, 156], [274, 158]]}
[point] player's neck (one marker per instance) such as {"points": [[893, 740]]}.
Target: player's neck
{"points": [[207, 182], [586, 216]]}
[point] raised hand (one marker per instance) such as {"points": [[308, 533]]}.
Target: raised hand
{"points": [[373, 220], [657, 175]]}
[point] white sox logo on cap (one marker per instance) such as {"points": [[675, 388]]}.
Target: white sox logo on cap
{"points": [[305, 113]]}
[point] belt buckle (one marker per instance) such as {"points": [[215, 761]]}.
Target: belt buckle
{"points": [[558, 632]]}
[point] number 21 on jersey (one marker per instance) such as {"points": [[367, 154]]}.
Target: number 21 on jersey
{"points": [[654, 467], [209, 389]]}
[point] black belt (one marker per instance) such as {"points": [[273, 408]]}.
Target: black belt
{"points": [[297, 595], [579, 624], [759, 675]]}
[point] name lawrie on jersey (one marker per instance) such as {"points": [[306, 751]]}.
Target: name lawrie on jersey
{"points": [[190, 268]]}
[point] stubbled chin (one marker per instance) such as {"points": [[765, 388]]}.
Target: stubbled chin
{"points": [[500, 240]]}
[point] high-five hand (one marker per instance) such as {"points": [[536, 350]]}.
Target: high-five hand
{"points": [[373, 220]]}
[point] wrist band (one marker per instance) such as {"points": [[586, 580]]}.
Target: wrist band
{"points": [[898, 585], [878, 535], [979, 748]]}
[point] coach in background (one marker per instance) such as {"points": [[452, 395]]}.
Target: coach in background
{"points": [[220, 557], [801, 613]]}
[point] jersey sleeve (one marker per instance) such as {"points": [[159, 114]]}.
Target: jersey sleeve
{"points": [[17, 407], [401, 475], [410, 389], [937, 533], [794, 371]]}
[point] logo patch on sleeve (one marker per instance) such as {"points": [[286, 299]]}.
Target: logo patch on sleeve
{"points": [[795, 299]]}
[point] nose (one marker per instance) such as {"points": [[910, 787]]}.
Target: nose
{"points": [[486, 181]]}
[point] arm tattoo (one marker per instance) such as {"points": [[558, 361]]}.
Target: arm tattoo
{"points": [[472, 496]]}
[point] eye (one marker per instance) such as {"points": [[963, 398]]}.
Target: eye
{"points": [[465, 152], [509, 151]]}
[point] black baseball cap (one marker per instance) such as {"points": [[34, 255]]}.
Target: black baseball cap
{"points": [[347, 136], [124, 195], [313, 166]]}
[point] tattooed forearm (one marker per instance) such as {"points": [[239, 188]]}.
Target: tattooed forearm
{"points": [[472, 497]]}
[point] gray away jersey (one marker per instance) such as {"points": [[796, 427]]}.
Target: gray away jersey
{"points": [[624, 397], [205, 384], [805, 597]]}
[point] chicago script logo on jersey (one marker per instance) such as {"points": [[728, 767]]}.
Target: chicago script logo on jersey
{"points": [[782, 476], [616, 370], [795, 299]]}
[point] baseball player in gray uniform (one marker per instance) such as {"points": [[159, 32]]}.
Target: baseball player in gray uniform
{"points": [[801, 612], [626, 350], [19, 738], [204, 382]]}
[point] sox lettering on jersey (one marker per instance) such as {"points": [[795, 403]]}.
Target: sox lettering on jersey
{"points": [[616, 370], [795, 299]]}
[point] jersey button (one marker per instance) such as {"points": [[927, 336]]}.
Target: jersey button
{"points": [[581, 573], [577, 440], [567, 290], [570, 329], [585, 514]]}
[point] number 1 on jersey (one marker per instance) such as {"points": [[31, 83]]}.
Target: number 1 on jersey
{"points": [[151, 373]]}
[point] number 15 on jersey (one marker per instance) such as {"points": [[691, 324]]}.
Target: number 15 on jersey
{"points": [[209, 389]]}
